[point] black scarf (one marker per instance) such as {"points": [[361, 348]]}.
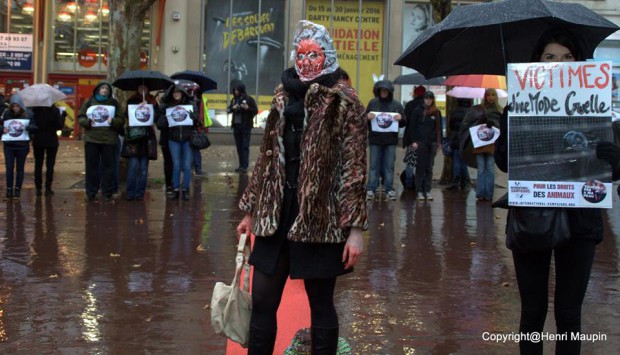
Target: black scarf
{"points": [[297, 90]]}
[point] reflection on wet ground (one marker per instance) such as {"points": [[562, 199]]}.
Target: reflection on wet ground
{"points": [[127, 277]]}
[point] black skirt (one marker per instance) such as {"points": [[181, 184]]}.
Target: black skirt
{"points": [[306, 260]]}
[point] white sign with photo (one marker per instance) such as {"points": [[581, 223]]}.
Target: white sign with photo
{"points": [[384, 122], [140, 115], [179, 115], [99, 114], [482, 135], [16, 130], [558, 113]]}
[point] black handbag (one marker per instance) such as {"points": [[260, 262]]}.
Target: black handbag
{"points": [[535, 229], [199, 140]]}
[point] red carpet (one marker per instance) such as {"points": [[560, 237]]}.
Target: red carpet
{"points": [[293, 314]]}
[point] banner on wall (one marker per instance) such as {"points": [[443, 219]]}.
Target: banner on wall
{"points": [[16, 49], [347, 39], [558, 113], [239, 35], [417, 17]]}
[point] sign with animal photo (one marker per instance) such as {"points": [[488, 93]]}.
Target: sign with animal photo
{"points": [[558, 113], [384, 122], [482, 135], [179, 116], [100, 115], [140, 115], [16, 130]]}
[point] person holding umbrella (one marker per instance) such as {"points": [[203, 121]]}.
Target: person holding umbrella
{"points": [[48, 120], [138, 142], [17, 123], [177, 115], [573, 262], [101, 117]]}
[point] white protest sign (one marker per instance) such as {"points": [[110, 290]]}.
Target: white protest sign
{"points": [[140, 115], [100, 115], [179, 115], [16, 130], [384, 122], [482, 135]]}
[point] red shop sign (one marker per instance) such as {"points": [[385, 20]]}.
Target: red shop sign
{"points": [[87, 58]]}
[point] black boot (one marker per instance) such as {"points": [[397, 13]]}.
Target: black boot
{"points": [[175, 195], [455, 184], [185, 195], [324, 341], [9, 194], [17, 193], [465, 183], [261, 342]]}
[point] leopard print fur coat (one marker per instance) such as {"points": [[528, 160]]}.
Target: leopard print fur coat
{"points": [[332, 175]]}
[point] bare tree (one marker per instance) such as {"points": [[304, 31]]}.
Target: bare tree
{"points": [[126, 24]]}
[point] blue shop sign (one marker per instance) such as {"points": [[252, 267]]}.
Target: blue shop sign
{"points": [[17, 60]]}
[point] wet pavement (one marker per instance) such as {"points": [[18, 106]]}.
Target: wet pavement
{"points": [[134, 277]]}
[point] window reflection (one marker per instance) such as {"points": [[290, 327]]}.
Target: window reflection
{"points": [[16, 16], [81, 38]]}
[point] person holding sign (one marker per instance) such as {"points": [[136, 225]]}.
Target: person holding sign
{"points": [[385, 116], [305, 201], [573, 261], [484, 118], [177, 115], [424, 136], [16, 123], [139, 140], [101, 117]]}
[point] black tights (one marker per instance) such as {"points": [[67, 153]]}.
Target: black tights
{"points": [[572, 272], [267, 294]]}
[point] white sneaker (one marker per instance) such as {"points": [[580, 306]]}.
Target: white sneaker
{"points": [[420, 197], [429, 196], [391, 195], [370, 195]]}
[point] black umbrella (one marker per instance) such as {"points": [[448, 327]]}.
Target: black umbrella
{"points": [[154, 80], [199, 78], [417, 79], [483, 38]]}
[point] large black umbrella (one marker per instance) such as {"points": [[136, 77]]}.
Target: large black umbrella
{"points": [[417, 79], [483, 38], [199, 78], [154, 80]]}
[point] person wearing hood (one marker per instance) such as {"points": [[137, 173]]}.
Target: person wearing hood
{"points": [[101, 116], [461, 173], [243, 107], [138, 141], [178, 105], [17, 125], [424, 137], [410, 107], [48, 120], [382, 111], [306, 199]]}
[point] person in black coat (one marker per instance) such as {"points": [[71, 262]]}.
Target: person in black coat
{"points": [[243, 107], [410, 107], [48, 120], [461, 173]]}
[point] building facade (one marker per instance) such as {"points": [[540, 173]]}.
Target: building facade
{"points": [[64, 43]]}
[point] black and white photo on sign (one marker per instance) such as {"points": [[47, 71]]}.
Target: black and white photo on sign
{"points": [[417, 17], [101, 115], [482, 135], [558, 113], [16, 130], [384, 122], [179, 115], [140, 115]]}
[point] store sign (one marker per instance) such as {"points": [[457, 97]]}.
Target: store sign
{"points": [[87, 58], [16, 49]]}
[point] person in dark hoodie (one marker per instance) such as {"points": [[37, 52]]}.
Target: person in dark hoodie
{"points": [[243, 107], [461, 173], [410, 107], [101, 116], [177, 99], [383, 137], [48, 120], [424, 137], [15, 151]]}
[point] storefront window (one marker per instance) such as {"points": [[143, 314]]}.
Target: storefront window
{"points": [[81, 36], [16, 16]]}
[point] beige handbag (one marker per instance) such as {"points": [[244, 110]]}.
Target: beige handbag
{"points": [[231, 306]]}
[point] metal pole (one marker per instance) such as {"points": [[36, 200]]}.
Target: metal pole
{"points": [[203, 26], [100, 35]]}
